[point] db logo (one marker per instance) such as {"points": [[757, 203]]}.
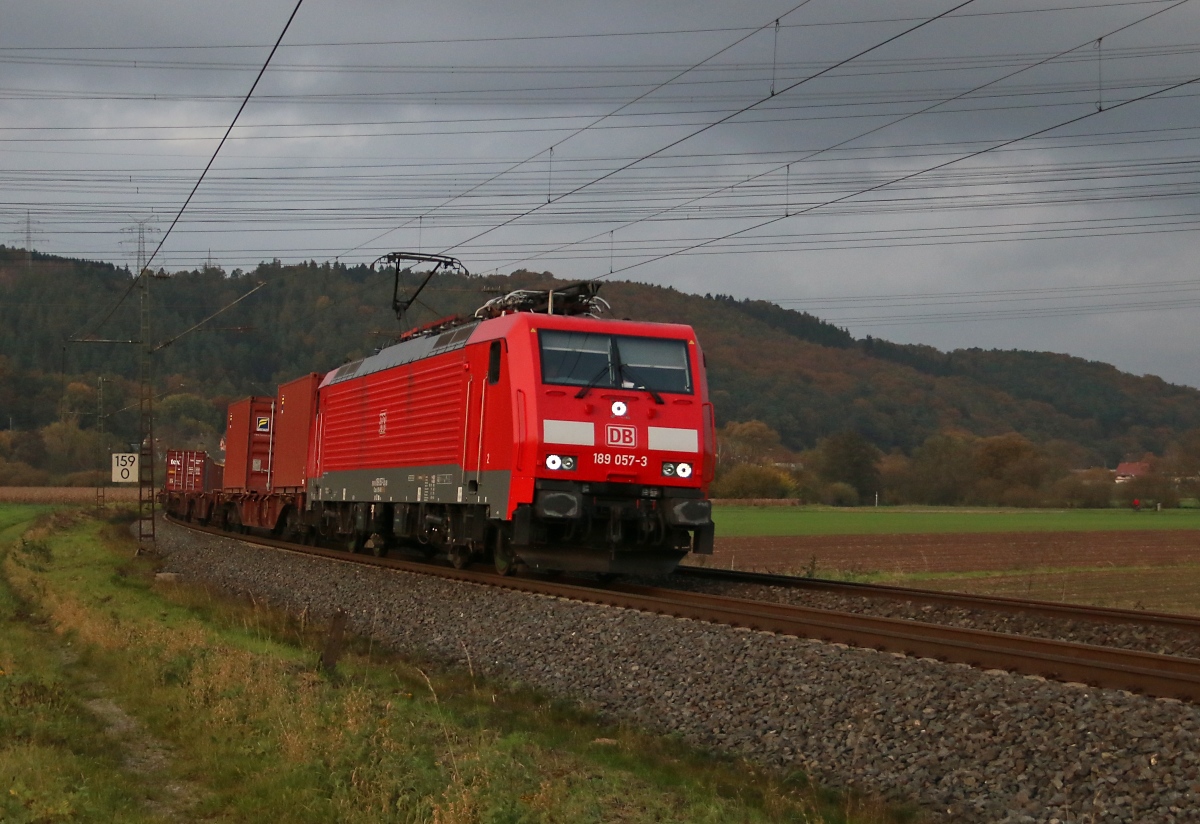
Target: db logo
{"points": [[624, 436]]}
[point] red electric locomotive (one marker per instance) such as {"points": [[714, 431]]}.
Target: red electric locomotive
{"points": [[534, 432]]}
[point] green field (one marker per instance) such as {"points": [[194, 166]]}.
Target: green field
{"points": [[740, 521]]}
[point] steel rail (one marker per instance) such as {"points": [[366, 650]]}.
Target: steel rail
{"points": [[1161, 676], [993, 603]]}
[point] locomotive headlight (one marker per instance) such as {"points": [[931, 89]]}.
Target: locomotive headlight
{"points": [[619, 409], [553, 462], [564, 462], [677, 470]]}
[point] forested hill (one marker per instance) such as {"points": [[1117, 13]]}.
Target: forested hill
{"points": [[802, 376]]}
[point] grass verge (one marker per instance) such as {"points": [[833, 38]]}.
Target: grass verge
{"points": [[56, 759], [218, 712]]}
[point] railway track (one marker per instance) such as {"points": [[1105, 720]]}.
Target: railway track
{"points": [[990, 603], [1151, 674]]}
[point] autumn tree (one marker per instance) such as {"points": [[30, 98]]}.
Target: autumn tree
{"points": [[751, 442], [1088, 489], [943, 470], [1009, 469], [752, 481], [69, 448], [849, 458]]}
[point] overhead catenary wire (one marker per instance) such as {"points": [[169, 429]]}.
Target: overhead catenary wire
{"points": [[1028, 313], [812, 155], [208, 166], [262, 174], [551, 123], [581, 130], [273, 213], [902, 178], [197, 325], [867, 68], [1189, 283], [721, 121], [593, 124], [575, 36], [1051, 142], [817, 74]]}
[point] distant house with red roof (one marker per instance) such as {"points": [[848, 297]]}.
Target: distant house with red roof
{"points": [[1129, 470]]}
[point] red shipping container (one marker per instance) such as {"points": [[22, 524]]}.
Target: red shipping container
{"points": [[293, 424], [249, 444], [192, 471]]}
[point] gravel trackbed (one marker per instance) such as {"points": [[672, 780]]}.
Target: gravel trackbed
{"points": [[965, 744]]}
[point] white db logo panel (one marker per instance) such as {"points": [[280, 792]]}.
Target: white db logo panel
{"points": [[624, 437]]}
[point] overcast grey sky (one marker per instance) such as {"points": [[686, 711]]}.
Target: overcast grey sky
{"points": [[643, 139]]}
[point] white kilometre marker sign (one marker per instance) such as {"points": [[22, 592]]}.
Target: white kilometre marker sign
{"points": [[124, 467]]}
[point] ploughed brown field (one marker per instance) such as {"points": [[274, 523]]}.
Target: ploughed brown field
{"points": [[1151, 569], [65, 494], [960, 552]]}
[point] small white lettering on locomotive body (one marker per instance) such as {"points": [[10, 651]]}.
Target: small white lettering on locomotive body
{"points": [[619, 459]]}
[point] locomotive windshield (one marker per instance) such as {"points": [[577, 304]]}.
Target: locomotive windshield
{"points": [[615, 361]]}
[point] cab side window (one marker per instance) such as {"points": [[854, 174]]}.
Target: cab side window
{"points": [[494, 362]]}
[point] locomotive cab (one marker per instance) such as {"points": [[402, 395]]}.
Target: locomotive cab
{"points": [[620, 453]]}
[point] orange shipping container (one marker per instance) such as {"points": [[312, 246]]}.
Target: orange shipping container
{"points": [[294, 415], [249, 444], [192, 471]]}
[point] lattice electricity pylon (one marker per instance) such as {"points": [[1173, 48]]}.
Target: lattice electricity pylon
{"points": [[101, 501], [146, 488], [27, 233]]}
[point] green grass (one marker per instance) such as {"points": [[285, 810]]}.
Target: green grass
{"points": [[742, 521], [18, 515], [256, 733], [56, 762]]}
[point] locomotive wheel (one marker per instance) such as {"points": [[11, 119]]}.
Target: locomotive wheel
{"points": [[459, 556], [502, 554]]}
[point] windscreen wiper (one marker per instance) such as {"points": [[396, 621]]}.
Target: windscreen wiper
{"points": [[590, 385], [623, 369]]}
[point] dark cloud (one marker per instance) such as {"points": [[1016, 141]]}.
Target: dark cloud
{"points": [[386, 125]]}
